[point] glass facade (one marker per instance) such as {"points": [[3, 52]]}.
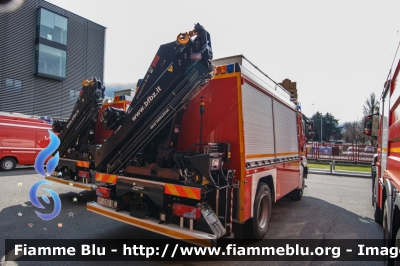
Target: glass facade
{"points": [[51, 61], [51, 45], [53, 27], [73, 95], [35, 81], [13, 85]]}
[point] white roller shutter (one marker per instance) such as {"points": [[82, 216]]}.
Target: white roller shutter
{"points": [[285, 131], [258, 124]]}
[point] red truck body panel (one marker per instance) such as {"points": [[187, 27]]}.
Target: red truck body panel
{"points": [[393, 151], [223, 122]]}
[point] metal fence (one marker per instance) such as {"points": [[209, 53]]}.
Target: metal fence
{"points": [[340, 152]]}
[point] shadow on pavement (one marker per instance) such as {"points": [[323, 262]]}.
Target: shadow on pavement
{"points": [[19, 172]]}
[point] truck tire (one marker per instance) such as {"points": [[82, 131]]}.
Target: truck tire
{"points": [[373, 176], [397, 245], [8, 164], [386, 234], [66, 175], [257, 226], [305, 173], [384, 221], [297, 194], [378, 214]]}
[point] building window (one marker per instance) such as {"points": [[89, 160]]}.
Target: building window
{"points": [[73, 95], [51, 61], [53, 27], [51, 45], [13, 85]]}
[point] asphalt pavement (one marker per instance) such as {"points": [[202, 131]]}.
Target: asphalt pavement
{"points": [[333, 207]]}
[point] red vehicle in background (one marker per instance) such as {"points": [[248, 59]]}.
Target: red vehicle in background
{"points": [[21, 139]]}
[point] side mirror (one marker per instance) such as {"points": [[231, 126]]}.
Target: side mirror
{"points": [[310, 125], [371, 125], [310, 128]]}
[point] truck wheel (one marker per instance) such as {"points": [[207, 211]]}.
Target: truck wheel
{"points": [[397, 245], [384, 221], [257, 226], [377, 214], [386, 234], [297, 194], [66, 175], [373, 175], [377, 211], [8, 164], [305, 172]]}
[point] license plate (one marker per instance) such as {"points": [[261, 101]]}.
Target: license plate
{"points": [[107, 202]]}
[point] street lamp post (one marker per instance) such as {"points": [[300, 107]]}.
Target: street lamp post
{"points": [[321, 128]]}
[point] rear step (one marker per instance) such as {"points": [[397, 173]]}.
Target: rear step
{"points": [[72, 183], [212, 220], [153, 225]]}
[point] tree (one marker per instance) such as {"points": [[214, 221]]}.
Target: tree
{"points": [[330, 130], [354, 132], [317, 125], [350, 131], [371, 105]]}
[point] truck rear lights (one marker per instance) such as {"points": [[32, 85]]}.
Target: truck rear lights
{"points": [[103, 192], [83, 174], [186, 211], [202, 105]]}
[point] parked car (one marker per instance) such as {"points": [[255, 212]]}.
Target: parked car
{"points": [[352, 150], [370, 149], [327, 150]]}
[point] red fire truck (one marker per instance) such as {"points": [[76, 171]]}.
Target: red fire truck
{"points": [[386, 163], [186, 173], [21, 139]]}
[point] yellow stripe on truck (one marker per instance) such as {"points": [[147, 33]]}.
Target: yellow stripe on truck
{"points": [[395, 149], [190, 193], [83, 164], [182, 191], [106, 178], [287, 153], [172, 189], [253, 156], [241, 145], [70, 183]]}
